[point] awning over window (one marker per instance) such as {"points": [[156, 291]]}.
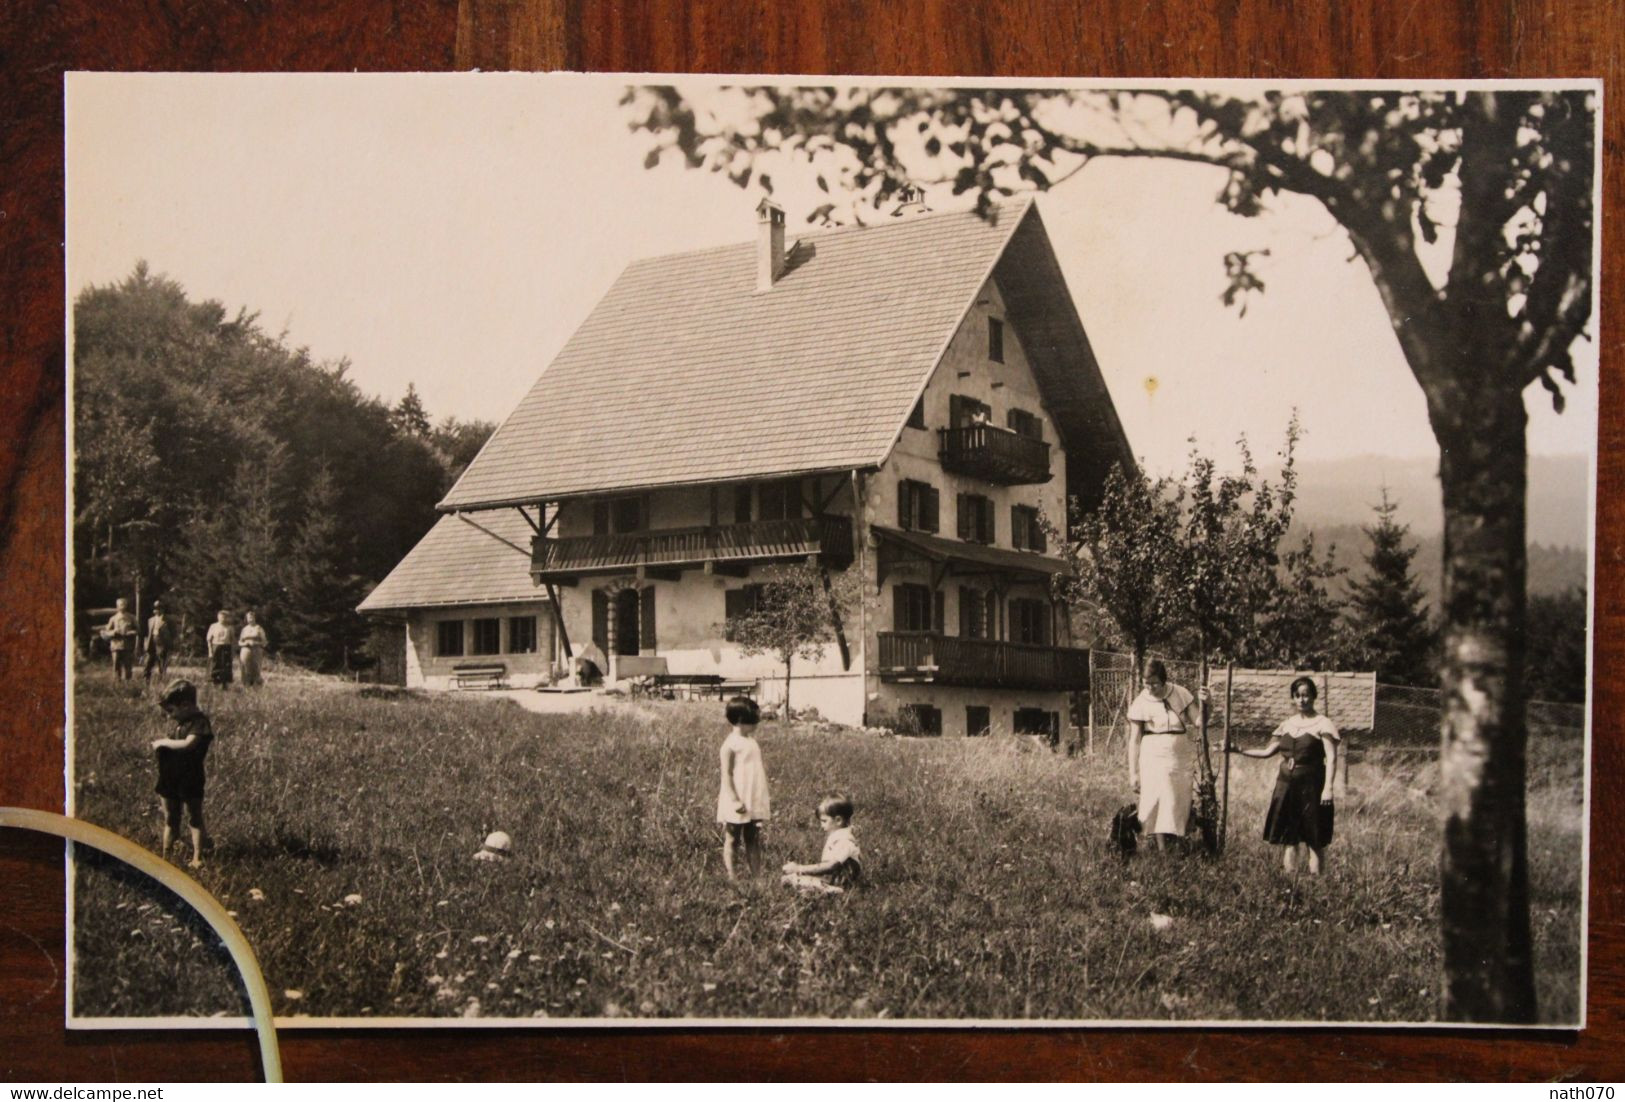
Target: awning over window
{"points": [[958, 558]]}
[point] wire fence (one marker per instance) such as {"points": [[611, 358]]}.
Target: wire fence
{"points": [[1371, 715]]}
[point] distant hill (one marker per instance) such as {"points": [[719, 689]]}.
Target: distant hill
{"points": [[1342, 492], [1552, 570]]}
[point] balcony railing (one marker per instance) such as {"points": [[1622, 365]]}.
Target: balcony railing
{"points": [[984, 663], [993, 454], [757, 541]]}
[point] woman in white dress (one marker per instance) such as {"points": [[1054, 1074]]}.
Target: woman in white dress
{"points": [[1161, 755], [252, 643]]}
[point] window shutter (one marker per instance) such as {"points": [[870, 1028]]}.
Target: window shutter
{"points": [[988, 529], [792, 499], [928, 509], [899, 608], [905, 491], [600, 518], [742, 504], [964, 517], [600, 620], [646, 619], [956, 411], [938, 613], [965, 619], [1018, 530], [1036, 538]]}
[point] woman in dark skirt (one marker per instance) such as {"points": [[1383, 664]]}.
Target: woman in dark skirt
{"points": [[1300, 811]]}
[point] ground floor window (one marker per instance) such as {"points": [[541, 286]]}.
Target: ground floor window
{"points": [[1037, 721], [487, 637], [521, 635], [978, 719], [448, 639], [922, 719]]}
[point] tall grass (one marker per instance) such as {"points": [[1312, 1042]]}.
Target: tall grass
{"points": [[990, 895]]}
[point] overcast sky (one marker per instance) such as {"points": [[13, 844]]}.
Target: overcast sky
{"points": [[453, 230]]}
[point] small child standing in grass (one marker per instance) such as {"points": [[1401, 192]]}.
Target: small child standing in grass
{"points": [[841, 864], [180, 765], [742, 800]]}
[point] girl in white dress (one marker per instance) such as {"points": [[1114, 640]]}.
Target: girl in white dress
{"points": [[742, 799], [1161, 756]]}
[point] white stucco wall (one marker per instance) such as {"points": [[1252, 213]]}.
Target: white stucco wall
{"points": [[425, 669]]}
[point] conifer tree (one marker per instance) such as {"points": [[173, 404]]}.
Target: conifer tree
{"points": [[1388, 616], [320, 624]]}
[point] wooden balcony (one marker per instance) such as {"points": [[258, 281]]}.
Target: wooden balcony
{"points": [[982, 663], [728, 548], [993, 454]]}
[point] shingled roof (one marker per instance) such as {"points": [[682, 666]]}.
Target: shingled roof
{"points": [[477, 560], [686, 373]]}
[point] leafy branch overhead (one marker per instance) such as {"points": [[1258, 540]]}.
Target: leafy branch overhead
{"points": [[1505, 176]]}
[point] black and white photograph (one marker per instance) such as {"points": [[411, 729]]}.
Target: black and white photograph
{"points": [[585, 550]]}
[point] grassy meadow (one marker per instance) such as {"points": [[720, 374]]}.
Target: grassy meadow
{"points": [[345, 822]]}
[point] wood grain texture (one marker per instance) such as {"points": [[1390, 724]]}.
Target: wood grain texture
{"points": [[40, 40]]}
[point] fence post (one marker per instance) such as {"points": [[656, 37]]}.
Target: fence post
{"points": [[1090, 744], [1224, 799]]}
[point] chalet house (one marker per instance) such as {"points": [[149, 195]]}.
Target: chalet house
{"points": [[903, 400], [463, 597]]}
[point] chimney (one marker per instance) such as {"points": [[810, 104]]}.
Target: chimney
{"points": [[769, 244], [911, 200]]}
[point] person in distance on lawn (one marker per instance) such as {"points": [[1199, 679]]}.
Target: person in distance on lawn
{"points": [[1300, 813], [180, 764], [742, 799], [840, 866], [220, 640]]}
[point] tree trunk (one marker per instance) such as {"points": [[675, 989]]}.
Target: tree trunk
{"points": [[1489, 973]]}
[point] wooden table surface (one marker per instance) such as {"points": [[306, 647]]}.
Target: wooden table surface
{"points": [[39, 40]]}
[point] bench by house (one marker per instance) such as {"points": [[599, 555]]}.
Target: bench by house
{"points": [[480, 675]]}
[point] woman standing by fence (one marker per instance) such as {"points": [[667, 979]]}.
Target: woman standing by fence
{"points": [[1161, 757]]}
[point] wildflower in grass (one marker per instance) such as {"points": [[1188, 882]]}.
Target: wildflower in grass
{"points": [[293, 994], [1161, 921], [351, 900], [479, 939]]}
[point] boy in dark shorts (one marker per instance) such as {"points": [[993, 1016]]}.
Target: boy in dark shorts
{"points": [[180, 765]]}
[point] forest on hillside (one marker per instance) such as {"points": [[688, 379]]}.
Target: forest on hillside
{"points": [[217, 467]]}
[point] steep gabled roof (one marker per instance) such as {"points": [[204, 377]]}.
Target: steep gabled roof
{"points": [[684, 373], [484, 559]]}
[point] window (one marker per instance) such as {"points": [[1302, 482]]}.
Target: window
{"points": [[620, 514], [917, 506], [976, 518], [742, 504], [995, 340], [978, 720], [1025, 423], [964, 411], [916, 419], [1026, 534], [781, 500], [737, 603], [921, 719], [1037, 721], [1029, 621], [487, 637], [448, 639], [916, 608], [521, 635], [975, 613]]}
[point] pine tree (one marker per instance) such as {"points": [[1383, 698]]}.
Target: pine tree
{"points": [[409, 416], [320, 624], [1388, 613]]}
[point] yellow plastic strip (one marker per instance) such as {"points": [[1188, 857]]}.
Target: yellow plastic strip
{"points": [[77, 830]]}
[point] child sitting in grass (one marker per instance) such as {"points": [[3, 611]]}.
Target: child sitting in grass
{"points": [[742, 799], [841, 864], [180, 765]]}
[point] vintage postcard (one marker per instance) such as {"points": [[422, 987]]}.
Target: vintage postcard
{"points": [[569, 550]]}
